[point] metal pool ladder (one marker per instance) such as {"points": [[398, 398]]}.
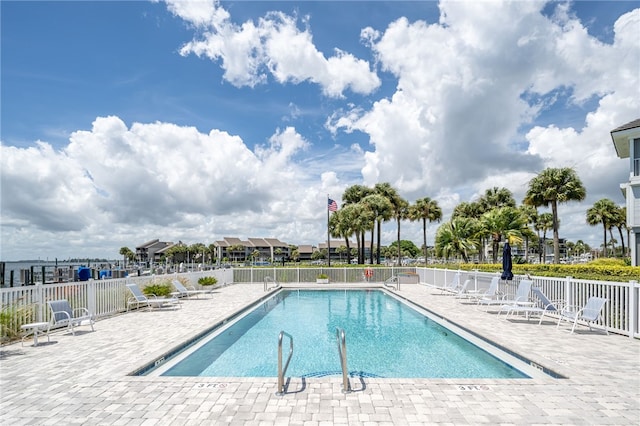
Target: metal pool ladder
{"points": [[394, 280], [282, 371], [342, 351], [268, 280]]}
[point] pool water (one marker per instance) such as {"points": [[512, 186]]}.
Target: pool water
{"points": [[385, 338]]}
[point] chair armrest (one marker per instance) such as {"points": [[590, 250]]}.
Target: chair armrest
{"points": [[83, 312]]}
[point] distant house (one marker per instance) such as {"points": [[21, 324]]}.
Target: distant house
{"points": [[626, 139], [151, 251], [237, 250]]}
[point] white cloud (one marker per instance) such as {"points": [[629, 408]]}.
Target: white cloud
{"points": [[117, 184], [274, 45]]}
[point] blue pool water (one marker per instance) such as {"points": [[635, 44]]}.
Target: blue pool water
{"points": [[385, 338]]}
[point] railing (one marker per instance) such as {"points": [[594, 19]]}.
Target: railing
{"points": [[267, 281], [102, 298], [393, 281], [342, 352], [283, 370]]}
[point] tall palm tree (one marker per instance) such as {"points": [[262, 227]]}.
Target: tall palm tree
{"points": [[456, 237], [531, 216], [496, 197], [551, 187], [425, 209], [353, 195], [381, 209], [342, 225], [472, 210], [620, 222], [400, 207], [502, 222], [543, 224], [603, 212]]}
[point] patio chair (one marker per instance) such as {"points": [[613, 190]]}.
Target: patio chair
{"points": [[542, 305], [521, 298], [182, 291], [590, 313], [463, 290], [453, 286], [489, 293], [151, 301], [62, 315]]}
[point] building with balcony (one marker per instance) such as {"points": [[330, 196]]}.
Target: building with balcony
{"points": [[626, 140]]}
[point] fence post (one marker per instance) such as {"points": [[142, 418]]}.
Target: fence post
{"points": [[632, 308], [568, 295], [40, 302], [92, 295]]}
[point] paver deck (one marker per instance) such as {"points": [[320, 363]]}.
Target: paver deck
{"points": [[84, 379]]}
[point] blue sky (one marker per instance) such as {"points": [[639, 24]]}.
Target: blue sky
{"points": [[127, 121]]}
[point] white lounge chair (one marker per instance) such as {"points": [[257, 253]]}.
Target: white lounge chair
{"points": [[590, 313], [542, 305], [463, 290], [521, 298], [490, 293], [453, 286], [182, 291], [62, 315], [151, 301]]}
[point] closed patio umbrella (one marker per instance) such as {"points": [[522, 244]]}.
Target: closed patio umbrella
{"points": [[506, 262]]}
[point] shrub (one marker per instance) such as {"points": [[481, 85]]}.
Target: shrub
{"points": [[207, 281], [322, 276], [159, 289], [11, 318]]}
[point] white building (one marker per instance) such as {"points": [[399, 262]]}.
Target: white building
{"points": [[626, 139]]}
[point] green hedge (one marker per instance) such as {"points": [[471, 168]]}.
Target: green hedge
{"points": [[597, 270]]}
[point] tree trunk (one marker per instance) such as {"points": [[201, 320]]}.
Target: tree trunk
{"points": [[556, 236], [399, 251], [424, 234], [378, 243]]}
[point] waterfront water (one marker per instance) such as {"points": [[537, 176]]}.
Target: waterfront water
{"points": [[16, 267]]}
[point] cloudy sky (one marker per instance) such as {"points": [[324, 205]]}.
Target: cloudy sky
{"points": [[123, 122]]}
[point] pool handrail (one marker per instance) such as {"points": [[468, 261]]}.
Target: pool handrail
{"points": [[268, 280], [342, 352], [282, 371], [394, 279]]}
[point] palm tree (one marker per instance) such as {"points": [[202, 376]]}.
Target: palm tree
{"points": [[126, 254], [472, 210], [543, 223], [381, 209], [531, 216], [620, 222], [502, 222], [603, 211], [425, 209], [353, 195], [553, 186], [400, 207], [342, 225], [456, 237], [496, 197]]}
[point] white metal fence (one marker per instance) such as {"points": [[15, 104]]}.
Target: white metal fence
{"points": [[103, 298], [21, 305]]}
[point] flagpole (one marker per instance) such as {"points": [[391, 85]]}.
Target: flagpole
{"points": [[328, 236]]}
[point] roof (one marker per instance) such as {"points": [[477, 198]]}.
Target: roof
{"points": [[621, 135]]}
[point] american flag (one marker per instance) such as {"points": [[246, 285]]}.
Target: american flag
{"points": [[333, 206]]}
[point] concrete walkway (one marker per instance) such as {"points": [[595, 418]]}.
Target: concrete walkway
{"points": [[84, 379]]}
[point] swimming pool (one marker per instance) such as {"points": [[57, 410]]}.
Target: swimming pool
{"points": [[385, 338]]}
